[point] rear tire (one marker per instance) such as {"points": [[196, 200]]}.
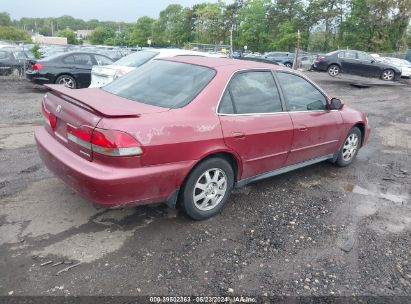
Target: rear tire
{"points": [[349, 150], [288, 64], [207, 188], [67, 81], [388, 75], [333, 70]]}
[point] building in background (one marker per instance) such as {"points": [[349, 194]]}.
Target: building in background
{"points": [[37, 38], [83, 34]]}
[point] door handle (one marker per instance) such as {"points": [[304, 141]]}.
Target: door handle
{"points": [[239, 135], [303, 129]]}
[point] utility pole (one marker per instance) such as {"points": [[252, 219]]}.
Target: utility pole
{"points": [[295, 63], [231, 41]]}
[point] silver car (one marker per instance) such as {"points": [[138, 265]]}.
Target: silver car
{"points": [[102, 75]]}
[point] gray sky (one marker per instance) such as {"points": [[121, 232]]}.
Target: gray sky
{"points": [[103, 10]]}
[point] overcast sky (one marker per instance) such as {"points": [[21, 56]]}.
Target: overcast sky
{"points": [[104, 10]]}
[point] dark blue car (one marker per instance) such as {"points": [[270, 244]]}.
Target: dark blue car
{"points": [[356, 63]]}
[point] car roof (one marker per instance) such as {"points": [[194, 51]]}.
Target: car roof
{"points": [[224, 63], [61, 54]]}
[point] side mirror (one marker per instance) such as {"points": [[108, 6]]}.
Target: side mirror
{"points": [[372, 60], [336, 104]]}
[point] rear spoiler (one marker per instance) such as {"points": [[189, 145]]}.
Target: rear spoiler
{"points": [[96, 100]]}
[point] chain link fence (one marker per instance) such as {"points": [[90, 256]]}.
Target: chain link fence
{"points": [[210, 48], [15, 59]]}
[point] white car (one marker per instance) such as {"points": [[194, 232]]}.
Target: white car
{"points": [[402, 64], [102, 75]]}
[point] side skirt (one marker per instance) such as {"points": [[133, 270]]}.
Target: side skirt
{"points": [[251, 179]]}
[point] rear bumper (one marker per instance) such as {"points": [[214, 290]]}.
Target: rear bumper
{"points": [[109, 186], [319, 65], [37, 78]]}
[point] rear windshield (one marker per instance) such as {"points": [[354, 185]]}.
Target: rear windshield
{"points": [[136, 59], [162, 83], [332, 53]]}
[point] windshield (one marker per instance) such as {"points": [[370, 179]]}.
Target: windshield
{"points": [[162, 83], [136, 59]]}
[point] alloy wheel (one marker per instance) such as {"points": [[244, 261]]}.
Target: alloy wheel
{"points": [[388, 75], [210, 189], [350, 147], [333, 71], [66, 81]]}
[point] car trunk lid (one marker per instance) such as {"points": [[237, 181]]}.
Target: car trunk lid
{"points": [[68, 110]]}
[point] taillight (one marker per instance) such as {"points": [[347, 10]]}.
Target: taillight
{"points": [[320, 58], [107, 142], [50, 118], [37, 66], [119, 73], [80, 135]]}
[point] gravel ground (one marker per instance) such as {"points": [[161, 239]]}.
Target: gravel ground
{"points": [[320, 230]]}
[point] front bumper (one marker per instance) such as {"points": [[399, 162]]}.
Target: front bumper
{"points": [[109, 186], [406, 74], [367, 131]]}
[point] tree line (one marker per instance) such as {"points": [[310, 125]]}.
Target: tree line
{"points": [[261, 25]]}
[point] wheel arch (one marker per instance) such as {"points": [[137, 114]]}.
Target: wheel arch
{"points": [[65, 73], [361, 126], [334, 63], [230, 156]]}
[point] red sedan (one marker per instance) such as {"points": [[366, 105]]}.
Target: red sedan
{"points": [[188, 130]]}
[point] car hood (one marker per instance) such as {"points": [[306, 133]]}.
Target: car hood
{"points": [[386, 65]]}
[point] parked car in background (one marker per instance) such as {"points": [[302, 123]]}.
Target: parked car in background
{"points": [[259, 59], [402, 64], [285, 58], [13, 61], [189, 129], [72, 69], [50, 50], [102, 75], [237, 54], [113, 53], [356, 63]]}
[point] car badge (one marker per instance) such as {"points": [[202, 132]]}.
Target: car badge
{"points": [[58, 109]]}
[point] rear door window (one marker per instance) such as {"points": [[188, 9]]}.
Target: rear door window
{"points": [[163, 83], [83, 59], [350, 55], [69, 59], [251, 92]]}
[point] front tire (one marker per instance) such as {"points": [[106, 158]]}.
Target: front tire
{"points": [[288, 65], [350, 148], [67, 81], [207, 188], [388, 75], [333, 70]]}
